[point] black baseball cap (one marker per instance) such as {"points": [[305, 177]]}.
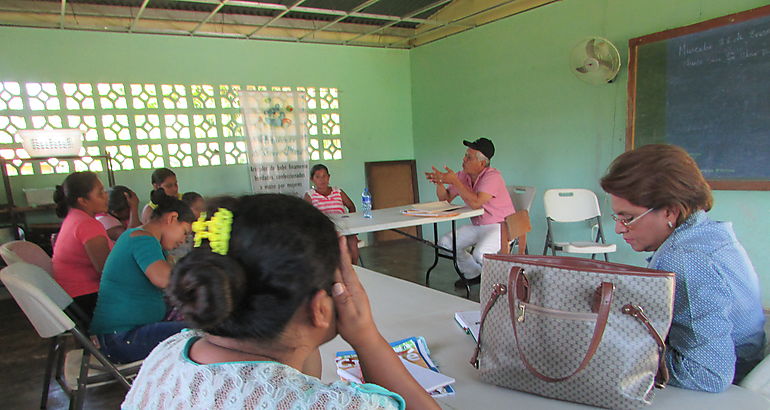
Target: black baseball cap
{"points": [[483, 145]]}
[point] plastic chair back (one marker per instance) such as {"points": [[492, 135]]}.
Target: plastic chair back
{"points": [[40, 297], [522, 196], [24, 251], [571, 205]]}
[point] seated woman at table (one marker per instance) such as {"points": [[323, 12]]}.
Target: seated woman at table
{"points": [[82, 244], [269, 284], [660, 200], [331, 201], [128, 319], [165, 179], [122, 212]]}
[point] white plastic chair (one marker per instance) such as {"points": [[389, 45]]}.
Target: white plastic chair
{"points": [[522, 196], [575, 205], [45, 304], [24, 251]]}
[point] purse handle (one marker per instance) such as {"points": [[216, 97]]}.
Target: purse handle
{"points": [[605, 292]]}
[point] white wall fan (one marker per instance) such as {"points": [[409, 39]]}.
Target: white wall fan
{"points": [[595, 60]]}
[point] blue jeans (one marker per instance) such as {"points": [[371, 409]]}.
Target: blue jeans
{"points": [[137, 343]]}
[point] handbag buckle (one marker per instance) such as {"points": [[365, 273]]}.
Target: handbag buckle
{"points": [[520, 315]]}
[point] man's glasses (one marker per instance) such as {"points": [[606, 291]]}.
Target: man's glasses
{"points": [[628, 221]]}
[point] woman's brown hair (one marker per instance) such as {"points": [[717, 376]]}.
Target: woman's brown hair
{"points": [[659, 176]]}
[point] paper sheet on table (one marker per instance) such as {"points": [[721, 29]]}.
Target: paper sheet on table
{"points": [[438, 206]]}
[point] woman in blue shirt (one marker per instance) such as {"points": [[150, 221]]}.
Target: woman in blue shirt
{"points": [[128, 319], [660, 199]]}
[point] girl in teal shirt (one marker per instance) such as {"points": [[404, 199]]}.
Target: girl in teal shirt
{"points": [[128, 319]]}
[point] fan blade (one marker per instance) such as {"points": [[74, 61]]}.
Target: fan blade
{"points": [[607, 64], [590, 52], [582, 69]]}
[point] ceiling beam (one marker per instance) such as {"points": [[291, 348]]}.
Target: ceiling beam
{"points": [[210, 16], [138, 16], [410, 15], [274, 19], [62, 13], [472, 14], [338, 19]]}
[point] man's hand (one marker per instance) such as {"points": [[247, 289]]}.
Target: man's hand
{"points": [[438, 177]]}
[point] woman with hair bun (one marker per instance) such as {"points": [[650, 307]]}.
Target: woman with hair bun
{"points": [[82, 244], [165, 179], [660, 199], [268, 283], [128, 319]]}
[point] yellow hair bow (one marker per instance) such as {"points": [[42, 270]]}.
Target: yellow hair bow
{"points": [[216, 230]]}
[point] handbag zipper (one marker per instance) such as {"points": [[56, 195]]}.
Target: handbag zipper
{"points": [[557, 314]]}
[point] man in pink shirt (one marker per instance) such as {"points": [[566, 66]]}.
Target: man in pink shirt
{"points": [[480, 186]]}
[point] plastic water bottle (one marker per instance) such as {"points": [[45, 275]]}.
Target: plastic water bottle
{"points": [[366, 203]]}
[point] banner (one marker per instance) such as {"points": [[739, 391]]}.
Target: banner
{"points": [[275, 125]]}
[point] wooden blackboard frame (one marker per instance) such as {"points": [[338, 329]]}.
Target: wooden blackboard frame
{"points": [[633, 50]]}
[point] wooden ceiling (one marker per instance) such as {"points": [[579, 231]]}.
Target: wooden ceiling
{"points": [[372, 23]]}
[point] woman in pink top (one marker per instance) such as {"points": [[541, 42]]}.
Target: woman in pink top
{"points": [[82, 244], [331, 201]]}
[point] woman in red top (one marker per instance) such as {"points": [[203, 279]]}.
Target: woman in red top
{"points": [[82, 244], [331, 200]]}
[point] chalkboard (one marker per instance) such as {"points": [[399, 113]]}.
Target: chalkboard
{"points": [[706, 88]]}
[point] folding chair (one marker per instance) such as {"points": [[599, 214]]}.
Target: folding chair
{"points": [[24, 251], [46, 305], [514, 231], [574, 205], [522, 196]]}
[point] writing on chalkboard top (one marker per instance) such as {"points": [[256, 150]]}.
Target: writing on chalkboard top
{"points": [[703, 87]]}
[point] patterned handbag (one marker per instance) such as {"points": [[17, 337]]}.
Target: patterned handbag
{"points": [[574, 329]]}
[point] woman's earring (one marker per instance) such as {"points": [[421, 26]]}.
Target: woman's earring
{"points": [[670, 224]]}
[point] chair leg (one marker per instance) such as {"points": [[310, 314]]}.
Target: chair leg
{"points": [[78, 397], [49, 365], [606, 257]]}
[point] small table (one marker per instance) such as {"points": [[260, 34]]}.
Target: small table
{"points": [[393, 219], [402, 309]]}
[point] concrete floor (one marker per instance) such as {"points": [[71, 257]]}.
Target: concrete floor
{"points": [[22, 361]]}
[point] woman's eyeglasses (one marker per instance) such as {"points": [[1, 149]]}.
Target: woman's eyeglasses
{"points": [[628, 221]]}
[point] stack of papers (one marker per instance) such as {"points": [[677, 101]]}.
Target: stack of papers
{"points": [[470, 322], [435, 209], [414, 355]]}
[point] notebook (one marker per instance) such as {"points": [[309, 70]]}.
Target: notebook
{"points": [[470, 321]]}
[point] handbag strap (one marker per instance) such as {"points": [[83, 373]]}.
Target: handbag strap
{"points": [[605, 293], [497, 290], [662, 377]]}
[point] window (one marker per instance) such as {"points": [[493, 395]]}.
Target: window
{"points": [[149, 125]]}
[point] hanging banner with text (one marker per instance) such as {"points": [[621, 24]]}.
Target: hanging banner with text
{"points": [[275, 125]]}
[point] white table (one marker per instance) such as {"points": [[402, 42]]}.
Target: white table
{"points": [[393, 219], [402, 309]]}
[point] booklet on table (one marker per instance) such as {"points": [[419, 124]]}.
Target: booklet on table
{"points": [[414, 354], [470, 321]]}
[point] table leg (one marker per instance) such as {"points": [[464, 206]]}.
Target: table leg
{"points": [[454, 261], [435, 254]]}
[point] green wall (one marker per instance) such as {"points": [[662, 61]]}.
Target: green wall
{"points": [[374, 84], [510, 80]]}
